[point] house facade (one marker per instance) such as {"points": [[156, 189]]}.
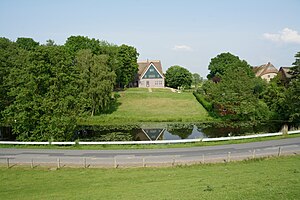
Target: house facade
{"points": [[150, 74], [266, 71]]}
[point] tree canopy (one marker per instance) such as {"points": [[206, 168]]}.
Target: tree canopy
{"points": [[293, 92], [239, 95], [127, 66], [46, 88], [197, 79], [234, 97], [224, 62], [177, 76]]}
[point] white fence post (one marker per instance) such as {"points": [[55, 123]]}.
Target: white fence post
{"points": [[279, 151], [7, 160], [173, 162], [115, 162], [144, 162], [253, 154], [58, 163], [228, 156], [84, 162]]}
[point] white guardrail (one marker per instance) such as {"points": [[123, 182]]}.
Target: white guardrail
{"points": [[151, 142]]}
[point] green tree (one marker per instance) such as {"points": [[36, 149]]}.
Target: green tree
{"points": [[127, 67], [293, 101], [50, 43], [177, 76], [197, 79], [96, 80], [76, 43], [27, 43], [224, 62], [233, 97], [275, 97], [295, 70], [293, 92], [45, 96], [9, 57]]}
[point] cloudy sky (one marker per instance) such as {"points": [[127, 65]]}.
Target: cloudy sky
{"points": [[185, 32]]}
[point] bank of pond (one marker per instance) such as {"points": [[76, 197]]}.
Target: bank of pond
{"points": [[165, 131]]}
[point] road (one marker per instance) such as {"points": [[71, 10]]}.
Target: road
{"points": [[148, 157]]}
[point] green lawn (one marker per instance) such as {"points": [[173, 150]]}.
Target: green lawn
{"points": [[274, 178], [160, 105]]}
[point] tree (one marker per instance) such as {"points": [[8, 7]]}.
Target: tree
{"points": [[197, 79], [46, 103], [293, 101], [96, 80], [177, 76], [50, 43], [77, 43], [27, 43], [275, 97], [295, 70], [224, 62], [293, 92], [233, 97], [9, 58], [127, 67]]}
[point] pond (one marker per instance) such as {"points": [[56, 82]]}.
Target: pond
{"points": [[171, 131], [161, 131]]}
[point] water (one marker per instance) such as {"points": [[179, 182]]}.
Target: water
{"points": [[160, 131], [173, 131]]}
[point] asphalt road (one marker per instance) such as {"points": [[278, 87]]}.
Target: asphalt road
{"points": [[148, 157]]}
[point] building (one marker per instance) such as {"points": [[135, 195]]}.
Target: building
{"points": [[284, 75], [266, 71], [150, 74]]}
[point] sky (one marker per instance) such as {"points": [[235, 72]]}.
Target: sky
{"points": [[188, 33]]}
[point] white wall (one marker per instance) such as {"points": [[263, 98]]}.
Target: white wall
{"points": [[153, 83], [268, 76]]}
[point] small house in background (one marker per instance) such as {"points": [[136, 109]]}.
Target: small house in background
{"points": [[150, 74], [284, 75], [266, 71]]}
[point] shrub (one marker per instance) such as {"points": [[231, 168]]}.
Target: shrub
{"points": [[200, 98], [116, 136]]}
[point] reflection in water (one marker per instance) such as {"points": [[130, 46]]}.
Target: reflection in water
{"points": [[167, 131], [147, 134]]}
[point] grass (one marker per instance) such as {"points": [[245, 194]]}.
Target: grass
{"points": [[160, 105], [150, 146], [272, 178]]}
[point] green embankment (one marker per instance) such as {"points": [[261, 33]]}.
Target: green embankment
{"points": [[137, 105], [273, 178]]}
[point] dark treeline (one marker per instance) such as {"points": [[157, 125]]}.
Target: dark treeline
{"points": [[45, 88], [233, 93]]}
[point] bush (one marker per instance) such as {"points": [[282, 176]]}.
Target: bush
{"points": [[116, 136], [200, 98]]}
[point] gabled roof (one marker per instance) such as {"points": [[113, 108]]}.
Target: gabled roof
{"points": [[143, 66], [264, 69], [285, 71]]}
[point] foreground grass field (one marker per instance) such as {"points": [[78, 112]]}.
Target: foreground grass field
{"points": [[274, 178], [160, 105]]}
